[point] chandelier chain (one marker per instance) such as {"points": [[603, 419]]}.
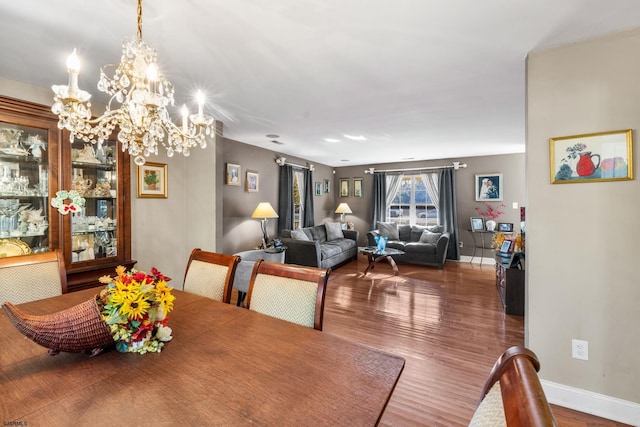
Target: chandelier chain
{"points": [[139, 19]]}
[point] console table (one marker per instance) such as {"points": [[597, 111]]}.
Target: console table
{"points": [[510, 281], [479, 243]]}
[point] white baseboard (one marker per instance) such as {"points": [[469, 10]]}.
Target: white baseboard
{"points": [[600, 405], [477, 260]]}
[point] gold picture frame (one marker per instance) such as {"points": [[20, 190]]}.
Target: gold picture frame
{"points": [[233, 174], [152, 180], [357, 187], [592, 157], [344, 187]]}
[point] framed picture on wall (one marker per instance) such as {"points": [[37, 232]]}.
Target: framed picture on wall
{"points": [[152, 180], [233, 174], [489, 187], [344, 187], [318, 188], [327, 185], [357, 187], [253, 182], [593, 157]]}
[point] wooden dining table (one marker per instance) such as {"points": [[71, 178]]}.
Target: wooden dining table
{"points": [[226, 365]]}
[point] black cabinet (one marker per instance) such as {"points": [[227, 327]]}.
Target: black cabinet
{"points": [[510, 282]]}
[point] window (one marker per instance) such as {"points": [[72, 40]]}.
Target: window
{"points": [[412, 204], [298, 209]]}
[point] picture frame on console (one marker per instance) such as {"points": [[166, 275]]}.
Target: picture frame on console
{"points": [[477, 223], [505, 227]]}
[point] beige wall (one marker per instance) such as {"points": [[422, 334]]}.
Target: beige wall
{"points": [[583, 277]]}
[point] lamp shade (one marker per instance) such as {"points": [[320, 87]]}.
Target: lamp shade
{"points": [[264, 210], [343, 208]]}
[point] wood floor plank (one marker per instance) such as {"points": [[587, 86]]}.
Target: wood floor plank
{"points": [[448, 324]]}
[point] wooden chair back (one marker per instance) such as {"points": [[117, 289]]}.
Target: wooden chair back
{"points": [[289, 292], [210, 274], [513, 395], [32, 277]]}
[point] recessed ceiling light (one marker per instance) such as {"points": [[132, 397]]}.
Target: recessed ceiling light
{"points": [[345, 160], [272, 136], [409, 158], [277, 142], [331, 140], [356, 137]]}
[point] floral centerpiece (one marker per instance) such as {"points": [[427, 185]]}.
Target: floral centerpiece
{"points": [[135, 305]]}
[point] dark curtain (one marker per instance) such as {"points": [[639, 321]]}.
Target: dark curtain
{"points": [[448, 211], [308, 198], [285, 199], [378, 199]]}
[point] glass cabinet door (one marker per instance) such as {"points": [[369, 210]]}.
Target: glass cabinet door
{"points": [[94, 175], [24, 188]]}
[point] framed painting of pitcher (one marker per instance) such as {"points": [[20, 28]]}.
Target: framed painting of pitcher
{"points": [[592, 157], [152, 180]]}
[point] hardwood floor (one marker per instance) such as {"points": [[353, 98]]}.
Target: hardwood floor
{"points": [[448, 324]]}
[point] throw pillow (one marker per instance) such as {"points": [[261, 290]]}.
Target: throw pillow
{"points": [[435, 228], [429, 237], [334, 230], [388, 230], [298, 234]]}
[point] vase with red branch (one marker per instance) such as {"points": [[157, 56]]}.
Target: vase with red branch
{"points": [[490, 214]]}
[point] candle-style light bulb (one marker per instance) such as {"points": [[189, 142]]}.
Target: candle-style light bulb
{"points": [[200, 100], [185, 117], [73, 68], [152, 77]]}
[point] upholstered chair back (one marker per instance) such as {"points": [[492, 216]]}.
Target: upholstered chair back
{"points": [[32, 277], [289, 292], [210, 274]]}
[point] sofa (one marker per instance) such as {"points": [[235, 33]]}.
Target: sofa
{"points": [[421, 245], [325, 246]]}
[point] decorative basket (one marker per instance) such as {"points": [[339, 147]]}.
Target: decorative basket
{"points": [[77, 329]]}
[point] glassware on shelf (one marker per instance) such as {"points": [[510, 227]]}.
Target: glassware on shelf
{"points": [[9, 208]]}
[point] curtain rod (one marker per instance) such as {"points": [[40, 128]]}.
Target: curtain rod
{"points": [[283, 161], [455, 165]]}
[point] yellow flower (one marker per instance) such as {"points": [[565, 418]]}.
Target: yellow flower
{"points": [[120, 270], [123, 291], [164, 296], [105, 279], [135, 307]]}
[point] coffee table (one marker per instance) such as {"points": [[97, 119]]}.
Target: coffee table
{"points": [[374, 256]]}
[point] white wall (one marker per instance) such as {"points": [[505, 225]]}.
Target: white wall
{"points": [[583, 277]]}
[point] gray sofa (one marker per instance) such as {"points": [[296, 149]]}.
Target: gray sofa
{"points": [[428, 248], [319, 250]]}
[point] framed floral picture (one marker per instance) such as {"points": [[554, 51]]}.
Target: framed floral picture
{"points": [[152, 180], [344, 187], [357, 187], [253, 181], [593, 157], [489, 187], [233, 174]]}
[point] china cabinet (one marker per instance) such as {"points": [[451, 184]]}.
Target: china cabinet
{"points": [[37, 160]]}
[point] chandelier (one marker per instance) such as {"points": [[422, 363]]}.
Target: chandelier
{"points": [[142, 95]]}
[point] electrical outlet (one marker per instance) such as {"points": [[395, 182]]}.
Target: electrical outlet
{"points": [[462, 244], [580, 349]]}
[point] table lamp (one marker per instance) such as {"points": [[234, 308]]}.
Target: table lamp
{"points": [[264, 211], [342, 209]]}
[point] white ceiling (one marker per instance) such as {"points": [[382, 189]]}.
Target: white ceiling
{"points": [[420, 79]]}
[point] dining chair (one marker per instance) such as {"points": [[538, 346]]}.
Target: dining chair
{"points": [[26, 278], [210, 274], [245, 268], [289, 292]]}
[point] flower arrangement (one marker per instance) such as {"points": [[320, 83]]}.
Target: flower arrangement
{"points": [[491, 212], [574, 151], [497, 240], [135, 305]]}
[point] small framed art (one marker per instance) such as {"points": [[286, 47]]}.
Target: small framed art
{"points": [[357, 187], [327, 186], [477, 223], [318, 188], [344, 187], [489, 187], [505, 226], [152, 180], [507, 246], [233, 174], [253, 182]]}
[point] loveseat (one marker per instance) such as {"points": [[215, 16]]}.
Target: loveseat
{"points": [[324, 246], [421, 245]]}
